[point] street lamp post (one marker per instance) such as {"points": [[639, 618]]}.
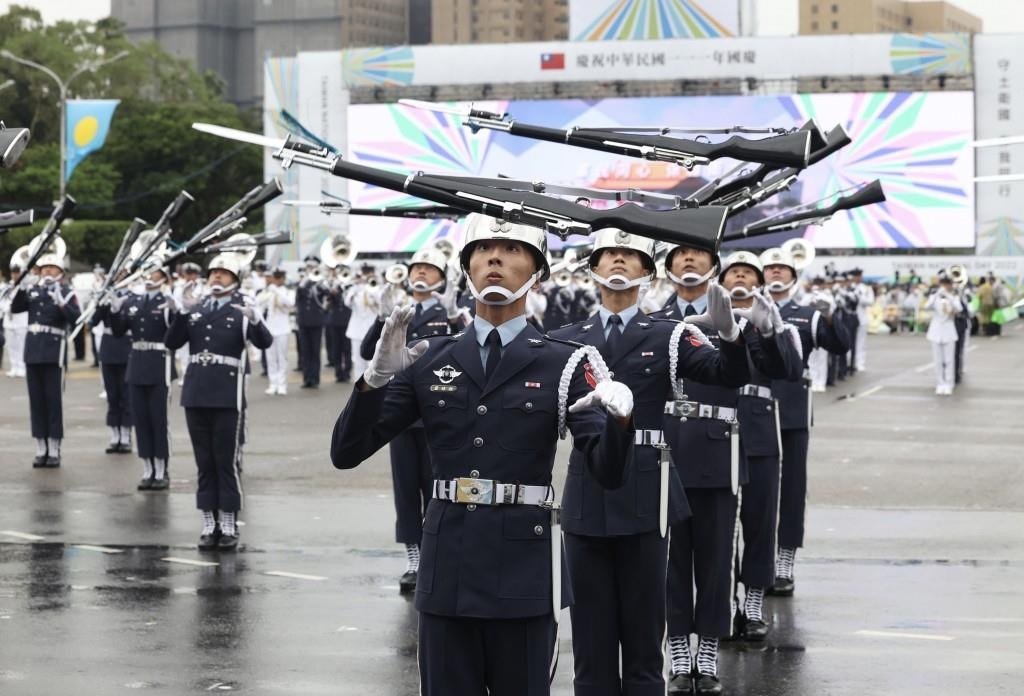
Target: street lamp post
{"points": [[62, 85]]}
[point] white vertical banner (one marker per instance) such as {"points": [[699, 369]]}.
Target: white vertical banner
{"points": [[999, 105]]}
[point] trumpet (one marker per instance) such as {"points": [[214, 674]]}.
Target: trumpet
{"points": [[397, 274], [801, 251]]}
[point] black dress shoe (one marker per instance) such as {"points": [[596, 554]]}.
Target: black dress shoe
{"points": [[407, 583], [160, 484], [145, 484], [52, 462], [124, 448], [755, 629], [39, 462], [228, 542], [707, 684], [208, 542], [739, 622], [112, 448], [680, 684], [783, 587]]}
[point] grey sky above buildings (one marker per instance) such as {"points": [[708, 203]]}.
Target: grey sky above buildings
{"points": [[774, 17]]}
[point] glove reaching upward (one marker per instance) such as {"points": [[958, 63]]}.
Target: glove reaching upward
{"points": [[762, 315], [391, 355]]}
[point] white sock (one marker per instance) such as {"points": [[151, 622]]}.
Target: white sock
{"points": [[707, 656], [126, 435], [209, 522], [784, 563], [412, 557], [753, 604], [679, 653], [40, 446], [160, 468], [227, 523], [114, 434], [53, 446], [147, 468]]}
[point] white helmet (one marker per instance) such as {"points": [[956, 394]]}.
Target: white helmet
{"points": [[742, 258], [226, 262], [614, 238], [431, 256], [51, 260], [776, 256], [480, 227]]}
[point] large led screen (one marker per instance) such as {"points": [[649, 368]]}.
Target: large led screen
{"points": [[916, 143]]}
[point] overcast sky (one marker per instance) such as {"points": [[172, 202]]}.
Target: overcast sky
{"points": [[775, 17]]}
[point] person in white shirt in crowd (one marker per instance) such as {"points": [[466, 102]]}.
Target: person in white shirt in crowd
{"points": [[275, 301], [865, 298], [944, 306], [363, 298], [15, 328]]}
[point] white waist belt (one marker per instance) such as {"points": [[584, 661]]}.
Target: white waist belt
{"points": [[755, 390], [208, 358], [475, 491], [692, 409], [649, 437], [43, 328], [148, 345]]}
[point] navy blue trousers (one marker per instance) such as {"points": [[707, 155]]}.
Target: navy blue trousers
{"points": [[119, 413], [149, 411]]}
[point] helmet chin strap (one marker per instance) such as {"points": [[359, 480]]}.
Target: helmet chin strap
{"points": [[508, 297], [153, 284], [691, 280], [420, 286], [218, 290], [617, 281], [741, 293], [778, 286], [50, 280]]}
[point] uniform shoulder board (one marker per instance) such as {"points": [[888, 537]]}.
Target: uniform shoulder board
{"points": [[567, 342]]}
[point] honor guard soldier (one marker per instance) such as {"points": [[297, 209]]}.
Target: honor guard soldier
{"points": [[615, 541], [818, 330], [217, 331], [146, 318], [434, 314], [113, 357], [310, 314], [493, 401], [701, 428], [52, 308]]}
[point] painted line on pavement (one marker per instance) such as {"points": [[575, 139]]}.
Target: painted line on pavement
{"points": [[866, 392], [924, 367], [189, 561], [897, 634], [101, 549], [296, 576], [22, 535]]}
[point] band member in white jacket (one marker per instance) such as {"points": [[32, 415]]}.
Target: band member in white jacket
{"points": [[865, 298], [276, 301], [944, 306]]}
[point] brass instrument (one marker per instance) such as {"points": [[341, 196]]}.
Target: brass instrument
{"points": [[338, 250], [801, 251], [397, 274], [21, 257], [562, 278], [958, 272]]}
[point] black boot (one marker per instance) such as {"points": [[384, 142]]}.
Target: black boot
{"points": [[208, 542], [407, 583]]}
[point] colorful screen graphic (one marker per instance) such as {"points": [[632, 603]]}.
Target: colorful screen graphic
{"points": [[915, 143]]}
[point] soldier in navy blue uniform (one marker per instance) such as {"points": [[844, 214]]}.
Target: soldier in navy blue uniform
{"points": [[52, 308], [113, 357], [615, 541], [434, 314], [338, 314], [815, 322], [492, 400], [217, 331], [702, 423], [145, 319], [311, 298]]}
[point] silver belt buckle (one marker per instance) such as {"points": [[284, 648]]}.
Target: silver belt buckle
{"points": [[682, 409], [205, 358], [475, 491]]}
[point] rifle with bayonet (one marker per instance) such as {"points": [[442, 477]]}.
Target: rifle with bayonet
{"points": [[130, 235], [16, 218], [419, 212], [41, 244], [808, 214]]}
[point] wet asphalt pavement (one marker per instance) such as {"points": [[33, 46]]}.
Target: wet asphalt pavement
{"points": [[910, 583]]}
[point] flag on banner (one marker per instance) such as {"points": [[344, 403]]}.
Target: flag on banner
{"points": [[552, 61], [87, 126]]}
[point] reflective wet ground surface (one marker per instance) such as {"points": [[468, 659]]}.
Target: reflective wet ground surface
{"points": [[911, 582]]}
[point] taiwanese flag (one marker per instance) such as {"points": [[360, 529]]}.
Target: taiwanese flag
{"points": [[552, 61]]}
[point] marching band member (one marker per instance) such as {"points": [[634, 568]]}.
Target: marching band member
{"points": [[146, 318], [865, 297], [818, 331], [310, 313], [703, 425], [216, 332], [492, 401], [52, 308], [15, 327], [615, 541], [338, 316], [821, 298], [944, 306], [363, 298], [276, 302]]}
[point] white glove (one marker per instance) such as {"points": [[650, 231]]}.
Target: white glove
{"points": [[616, 398], [249, 310], [116, 302], [760, 315], [391, 355], [55, 295], [449, 299], [390, 298], [189, 299], [29, 279], [824, 303], [720, 313]]}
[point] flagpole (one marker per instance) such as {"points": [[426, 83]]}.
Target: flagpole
{"points": [[62, 85]]}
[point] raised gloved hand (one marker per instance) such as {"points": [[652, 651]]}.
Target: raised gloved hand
{"points": [[449, 299], [391, 355], [824, 303], [249, 310], [116, 302], [720, 313], [760, 314], [391, 296], [190, 299], [615, 397], [57, 297]]}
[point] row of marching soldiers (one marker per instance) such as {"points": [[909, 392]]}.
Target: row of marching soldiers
{"points": [[708, 491]]}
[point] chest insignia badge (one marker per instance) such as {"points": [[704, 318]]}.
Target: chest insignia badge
{"points": [[447, 374]]}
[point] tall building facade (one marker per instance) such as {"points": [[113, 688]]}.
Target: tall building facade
{"points": [[498, 21], [232, 37], [884, 17]]}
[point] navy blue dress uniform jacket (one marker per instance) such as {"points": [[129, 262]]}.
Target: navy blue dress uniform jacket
{"points": [[815, 332], [220, 330], [493, 561], [338, 313], [642, 363], [310, 303], [705, 443], [145, 319], [114, 348], [43, 348]]}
